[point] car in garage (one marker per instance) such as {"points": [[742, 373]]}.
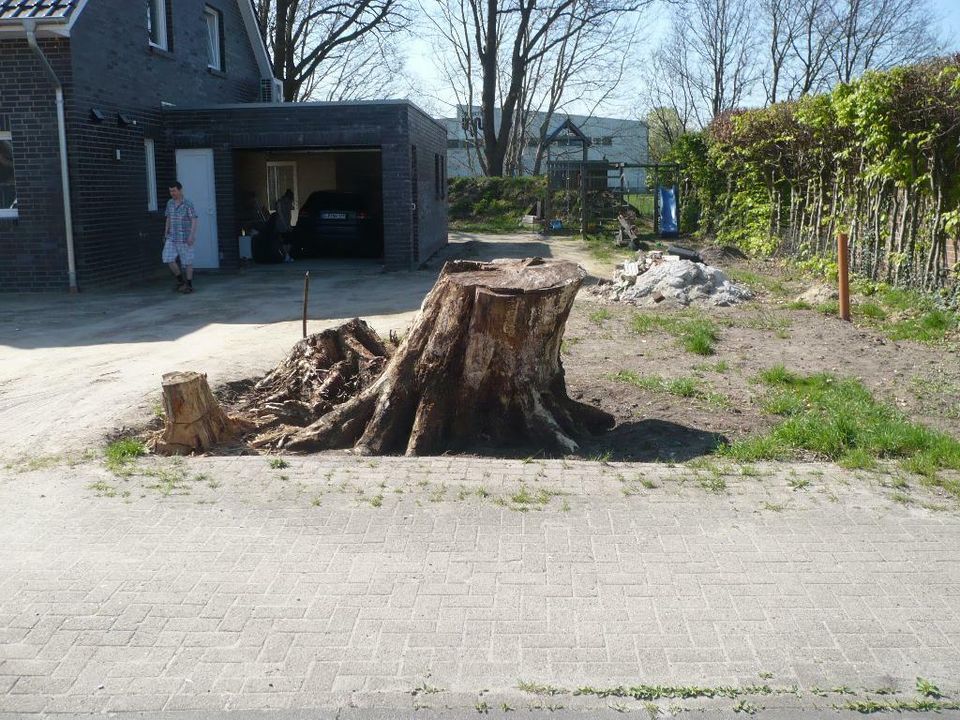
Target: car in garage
{"points": [[336, 224]]}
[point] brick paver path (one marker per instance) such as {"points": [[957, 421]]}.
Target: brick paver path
{"points": [[223, 583]]}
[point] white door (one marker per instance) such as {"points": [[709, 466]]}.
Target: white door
{"points": [[195, 173]]}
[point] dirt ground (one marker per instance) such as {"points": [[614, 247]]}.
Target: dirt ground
{"points": [[75, 370], [921, 380]]}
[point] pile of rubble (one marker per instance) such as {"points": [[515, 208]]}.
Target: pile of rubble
{"points": [[654, 277]]}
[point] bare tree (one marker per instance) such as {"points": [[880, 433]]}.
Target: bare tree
{"points": [[782, 25], [879, 34], [715, 41], [335, 49], [501, 52], [813, 37]]}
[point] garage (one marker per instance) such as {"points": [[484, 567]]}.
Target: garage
{"points": [[337, 199], [368, 178]]}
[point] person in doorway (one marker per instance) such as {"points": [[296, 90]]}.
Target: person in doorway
{"points": [[179, 236], [284, 208]]}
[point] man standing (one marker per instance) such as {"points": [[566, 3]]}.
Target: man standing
{"points": [[179, 236]]}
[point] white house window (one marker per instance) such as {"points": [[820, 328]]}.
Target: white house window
{"points": [[157, 23], [8, 185], [151, 175], [214, 49]]}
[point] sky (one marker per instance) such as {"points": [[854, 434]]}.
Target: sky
{"points": [[421, 51]]}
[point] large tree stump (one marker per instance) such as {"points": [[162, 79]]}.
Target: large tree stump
{"points": [[481, 366], [194, 419]]}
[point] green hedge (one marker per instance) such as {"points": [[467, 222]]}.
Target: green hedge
{"points": [[877, 158]]}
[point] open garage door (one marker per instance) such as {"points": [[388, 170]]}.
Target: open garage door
{"points": [[338, 200]]}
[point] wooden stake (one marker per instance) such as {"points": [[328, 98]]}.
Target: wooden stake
{"points": [[306, 292], [843, 277]]}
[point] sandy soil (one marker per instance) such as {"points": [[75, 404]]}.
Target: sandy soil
{"points": [[922, 380], [75, 369]]}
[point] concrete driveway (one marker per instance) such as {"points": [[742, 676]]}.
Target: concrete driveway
{"points": [[74, 368]]}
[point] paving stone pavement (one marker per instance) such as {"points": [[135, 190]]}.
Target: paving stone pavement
{"points": [[418, 587]]}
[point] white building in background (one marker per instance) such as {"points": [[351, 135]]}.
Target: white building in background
{"points": [[613, 139]]}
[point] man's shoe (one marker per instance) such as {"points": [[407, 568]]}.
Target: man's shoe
{"points": [[186, 288], [180, 284]]}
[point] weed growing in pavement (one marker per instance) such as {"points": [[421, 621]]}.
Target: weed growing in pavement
{"points": [[376, 501], [438, 493], [425, 689], [278, 464], [649, 484], [867, 707], [714, 484], [744, 706], [103, 489], [773, 507], [838, 419], [659, 692], [928, 689], [316, 501], [798, 483], [120, 453], [482, 707], [539, 688]]}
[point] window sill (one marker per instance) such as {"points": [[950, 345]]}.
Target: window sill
{"points": [[216, 72], [9, 215], [159, 51]]}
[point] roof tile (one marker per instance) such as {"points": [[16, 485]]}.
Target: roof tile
{"points": [[16, 10]]}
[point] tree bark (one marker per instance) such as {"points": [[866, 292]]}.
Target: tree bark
{"points": [[480, 367], [194, 419]]}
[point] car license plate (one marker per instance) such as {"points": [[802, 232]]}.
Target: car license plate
{"points": [[333, 216]]}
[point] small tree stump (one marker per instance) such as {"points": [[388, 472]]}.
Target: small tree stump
{"points": [[481, 366], [194, 419]]}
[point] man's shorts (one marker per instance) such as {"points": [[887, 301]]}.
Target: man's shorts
{"points": [[172, 249]]}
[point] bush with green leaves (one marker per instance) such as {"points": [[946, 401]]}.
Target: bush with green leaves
{"points": [[875, 158]]}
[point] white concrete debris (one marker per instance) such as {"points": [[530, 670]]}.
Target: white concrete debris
{"points": [[654, 278]]}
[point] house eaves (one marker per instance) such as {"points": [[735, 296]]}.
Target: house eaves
{"points": [[52, 17]]}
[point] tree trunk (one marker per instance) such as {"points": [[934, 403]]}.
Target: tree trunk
{"points": [[194, 419], [480, 367]]}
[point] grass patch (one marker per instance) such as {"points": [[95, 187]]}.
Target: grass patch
{"points": [[686, 387], [598, 317], [119, 453], [757, 282], [696, 334], [932, 326], [799, 305], [278, 464], [838, 419], [601, 248]]}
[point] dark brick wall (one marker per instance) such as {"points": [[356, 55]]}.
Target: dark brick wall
{"points": [[391, 126], [117, 239], [107, 64], [32, 248], [430, 139]]}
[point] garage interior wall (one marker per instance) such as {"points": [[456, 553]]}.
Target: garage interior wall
{"points": [[315, 171]]}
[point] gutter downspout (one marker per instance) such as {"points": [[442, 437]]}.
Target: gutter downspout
{"points": [[31, 27]]}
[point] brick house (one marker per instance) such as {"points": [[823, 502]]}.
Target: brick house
{"points": [[153, 90]]}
